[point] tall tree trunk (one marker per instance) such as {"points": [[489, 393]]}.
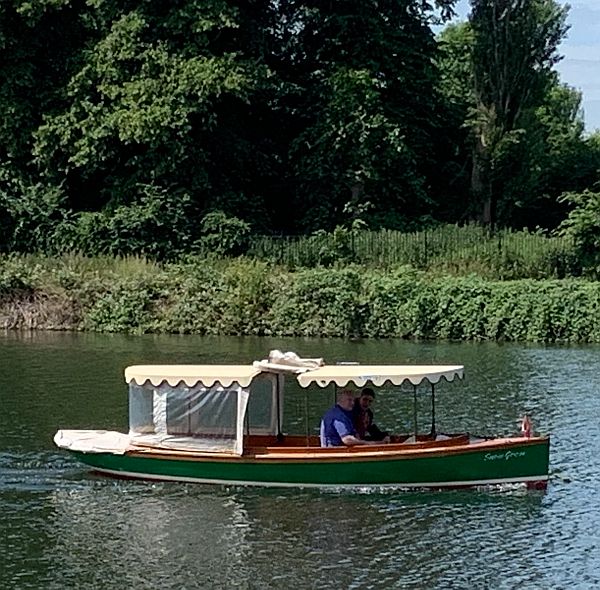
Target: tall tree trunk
{"points": [[481, 185]]}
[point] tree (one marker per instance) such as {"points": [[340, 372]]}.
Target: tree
{"points": [[515, 48], [454, 59], [39, 48], [552, 156], [145, 103], [362, 109], [243, 107]]}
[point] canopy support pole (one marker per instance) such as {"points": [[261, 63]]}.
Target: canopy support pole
{"points": [[433, 432], [278, 396], [306, 418], [416, 427]]}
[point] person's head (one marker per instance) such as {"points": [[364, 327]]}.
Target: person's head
{"points": [[367, 397], [345, 399]]}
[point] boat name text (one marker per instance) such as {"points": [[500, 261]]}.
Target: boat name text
{"points": [[507, 455]]}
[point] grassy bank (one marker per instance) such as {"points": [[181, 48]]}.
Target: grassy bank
{"points": [[250, 297]]}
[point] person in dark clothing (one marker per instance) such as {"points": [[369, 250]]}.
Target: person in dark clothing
{"points": [[362, 418]]}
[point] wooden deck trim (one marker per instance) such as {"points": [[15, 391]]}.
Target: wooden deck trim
{"points": [[335, 454]]}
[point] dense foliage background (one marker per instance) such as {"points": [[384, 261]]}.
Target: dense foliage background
{"points": [[129, 126]]}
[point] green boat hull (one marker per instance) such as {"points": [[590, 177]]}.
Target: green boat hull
{"points": [[525, 462]]}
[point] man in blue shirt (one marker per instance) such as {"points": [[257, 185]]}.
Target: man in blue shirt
{"points": [[337, 429]]}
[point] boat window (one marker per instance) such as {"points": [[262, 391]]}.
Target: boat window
{"points": [[262, 405], [140, 410], [188, 417]]}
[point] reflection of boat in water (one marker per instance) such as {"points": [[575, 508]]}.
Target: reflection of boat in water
{"points": [[222, 424]]}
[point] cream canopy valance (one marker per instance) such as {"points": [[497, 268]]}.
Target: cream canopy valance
{"points": [[191, 375], [378, 375], [341, 375]]}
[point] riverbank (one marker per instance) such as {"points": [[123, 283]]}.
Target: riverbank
{"points": [[247, 297]]}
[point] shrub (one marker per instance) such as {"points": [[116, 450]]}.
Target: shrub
{"points": [[318, 302], [244, 296], [156, 224], [583, 225], [223, 235]]}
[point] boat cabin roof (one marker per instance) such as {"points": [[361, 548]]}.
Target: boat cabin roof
{"points": [[341, 375]]}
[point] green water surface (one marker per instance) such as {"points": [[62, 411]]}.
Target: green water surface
{"points": [[61, 527]]}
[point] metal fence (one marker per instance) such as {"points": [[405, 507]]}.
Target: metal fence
{"points": [[504, 253]]}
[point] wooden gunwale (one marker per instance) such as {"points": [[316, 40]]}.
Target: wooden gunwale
{"points": [[462, 439], [391, 452]]}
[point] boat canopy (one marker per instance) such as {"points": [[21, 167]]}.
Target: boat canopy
{"points": [[201, 407], [378, 375], [192, 375], [212, 407], [307, 373]]}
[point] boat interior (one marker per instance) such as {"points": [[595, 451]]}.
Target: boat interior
{"points": [[299, 443]]}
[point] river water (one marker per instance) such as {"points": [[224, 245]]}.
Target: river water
{"points": [[62, 527]]}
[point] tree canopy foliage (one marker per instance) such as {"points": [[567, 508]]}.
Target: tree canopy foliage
{"points": [[132, 126]]}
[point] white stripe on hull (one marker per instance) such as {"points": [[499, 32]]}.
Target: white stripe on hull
{"points": [[276, 484]]}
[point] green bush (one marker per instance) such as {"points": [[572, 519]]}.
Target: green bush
{"points": [[398, 304], [156, 224], [223, 235], [583, 226], [29, 214], [126, 306], [318, 302], [244, 297], [216, 298], [17, 277]]}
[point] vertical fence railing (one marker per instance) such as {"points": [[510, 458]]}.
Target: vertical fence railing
{"points": [[505, 250]]}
